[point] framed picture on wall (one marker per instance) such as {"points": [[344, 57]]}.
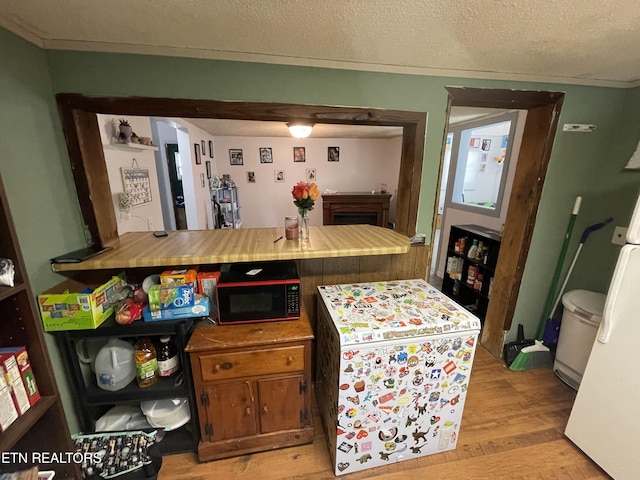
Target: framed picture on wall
{"points": [[311, 174], [266, 156], [251, 177], [278, 176], [204, 148], [333, 154], [298, 154], [196, 149], [208, 165], [475, 142], [486, 144], [211, 148], [235, 156]]}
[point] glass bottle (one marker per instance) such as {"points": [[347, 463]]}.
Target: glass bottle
{"points": [[146, 363], [473, 249], [168, 358]]}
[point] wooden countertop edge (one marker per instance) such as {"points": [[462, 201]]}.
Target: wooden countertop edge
{"points": [[263, 248]]}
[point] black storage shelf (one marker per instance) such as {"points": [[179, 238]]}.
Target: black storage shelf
{"points": [[92, 401], [474, 300], [163, 388]]}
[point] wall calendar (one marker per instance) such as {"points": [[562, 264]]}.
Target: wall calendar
{"points": [[136, 183]]}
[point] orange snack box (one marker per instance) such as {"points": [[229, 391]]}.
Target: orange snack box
{"points": [[185, 276]]}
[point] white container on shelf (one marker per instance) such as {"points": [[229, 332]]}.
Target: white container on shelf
{"points": [[115, 365]]}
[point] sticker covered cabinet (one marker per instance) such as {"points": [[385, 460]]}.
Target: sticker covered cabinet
{"points": [[253, 386]]}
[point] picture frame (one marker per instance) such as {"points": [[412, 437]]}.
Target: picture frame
{"points": [[486, 144], [235, 156], [196, 148], [474, 142], [251, 177], [333, 154], [299, 154], [266, 155], [204, 148], [202, 183], [211, 148], [311, 174], [278, 176], [208, 166]]}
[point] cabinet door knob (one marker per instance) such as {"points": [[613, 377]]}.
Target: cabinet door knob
{"points": [[248, 411], [289, 360], [224, 366], [265, 409]]}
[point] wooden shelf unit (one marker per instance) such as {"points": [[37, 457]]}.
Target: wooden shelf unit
{"points": [[43, 428]]}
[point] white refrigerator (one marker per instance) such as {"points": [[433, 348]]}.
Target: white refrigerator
{"points": [[605, 419], [394, 361]]}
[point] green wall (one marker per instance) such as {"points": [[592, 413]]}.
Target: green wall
{"points": [[36, 173], [35, 166]]}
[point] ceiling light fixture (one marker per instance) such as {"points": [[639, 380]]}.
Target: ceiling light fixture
{"points": [[300, 130]]}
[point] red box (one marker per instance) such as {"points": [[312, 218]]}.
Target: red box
{"points": [[28, 379], [9, 369], [8, 412]]}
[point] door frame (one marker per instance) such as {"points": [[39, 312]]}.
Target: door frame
{"points": [[543, 112]]}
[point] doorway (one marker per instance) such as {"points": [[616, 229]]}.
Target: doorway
{"points": [[478, 170], [175, 183], [543, 111]]}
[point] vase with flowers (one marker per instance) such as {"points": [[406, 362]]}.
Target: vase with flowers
{"points": [[304, 197]]}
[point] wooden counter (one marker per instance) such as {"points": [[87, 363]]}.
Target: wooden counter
{"points": [[200, 247]]}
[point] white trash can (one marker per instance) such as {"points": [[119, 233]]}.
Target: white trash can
{"points": [[580, 321]]}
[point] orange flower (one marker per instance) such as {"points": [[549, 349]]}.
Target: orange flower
{"points": [[305, 194]]}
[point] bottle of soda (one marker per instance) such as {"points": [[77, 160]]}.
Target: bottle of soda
{"points": [[146, 363], [168, 358]]}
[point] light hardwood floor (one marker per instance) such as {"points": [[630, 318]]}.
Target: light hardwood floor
{"points": [[512, 428]]}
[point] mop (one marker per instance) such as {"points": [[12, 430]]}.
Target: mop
{"points": [[538, 355]]}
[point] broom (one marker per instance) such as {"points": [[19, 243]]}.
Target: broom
{"points": [[539, 355]]}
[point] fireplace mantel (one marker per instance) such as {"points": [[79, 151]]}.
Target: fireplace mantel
{"points": [[351, 208]]}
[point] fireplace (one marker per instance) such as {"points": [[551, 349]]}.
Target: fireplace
{"points": [[352, 208]]}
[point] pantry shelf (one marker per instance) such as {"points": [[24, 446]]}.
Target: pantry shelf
{"points": [[467, 280]]}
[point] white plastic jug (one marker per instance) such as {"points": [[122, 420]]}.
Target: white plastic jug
{"points": [[115, 365]]}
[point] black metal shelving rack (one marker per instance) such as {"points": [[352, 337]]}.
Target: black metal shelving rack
{"points": [[92, 401]]}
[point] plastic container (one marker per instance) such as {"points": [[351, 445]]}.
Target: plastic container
{"points": [[146, 363], [115, 365], [580, 321], [168, 358], [473, 249], [166, 413]]}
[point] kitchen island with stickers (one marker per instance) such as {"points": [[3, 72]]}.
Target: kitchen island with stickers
{"points": [[393, 366]]}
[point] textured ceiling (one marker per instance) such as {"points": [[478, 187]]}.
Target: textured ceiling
{"points": [[592, 42]]}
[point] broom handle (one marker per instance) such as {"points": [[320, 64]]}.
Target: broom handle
{"points": [[583, 239], [556, 276]]}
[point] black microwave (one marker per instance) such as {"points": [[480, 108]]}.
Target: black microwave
{"points": [[258, 292]]}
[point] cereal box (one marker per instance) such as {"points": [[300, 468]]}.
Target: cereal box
{"points": [[28, 379]]}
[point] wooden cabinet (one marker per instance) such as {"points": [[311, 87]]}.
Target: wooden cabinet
{"points": [[467, 280], [351, 208], [43, 427], [253, 385]]}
